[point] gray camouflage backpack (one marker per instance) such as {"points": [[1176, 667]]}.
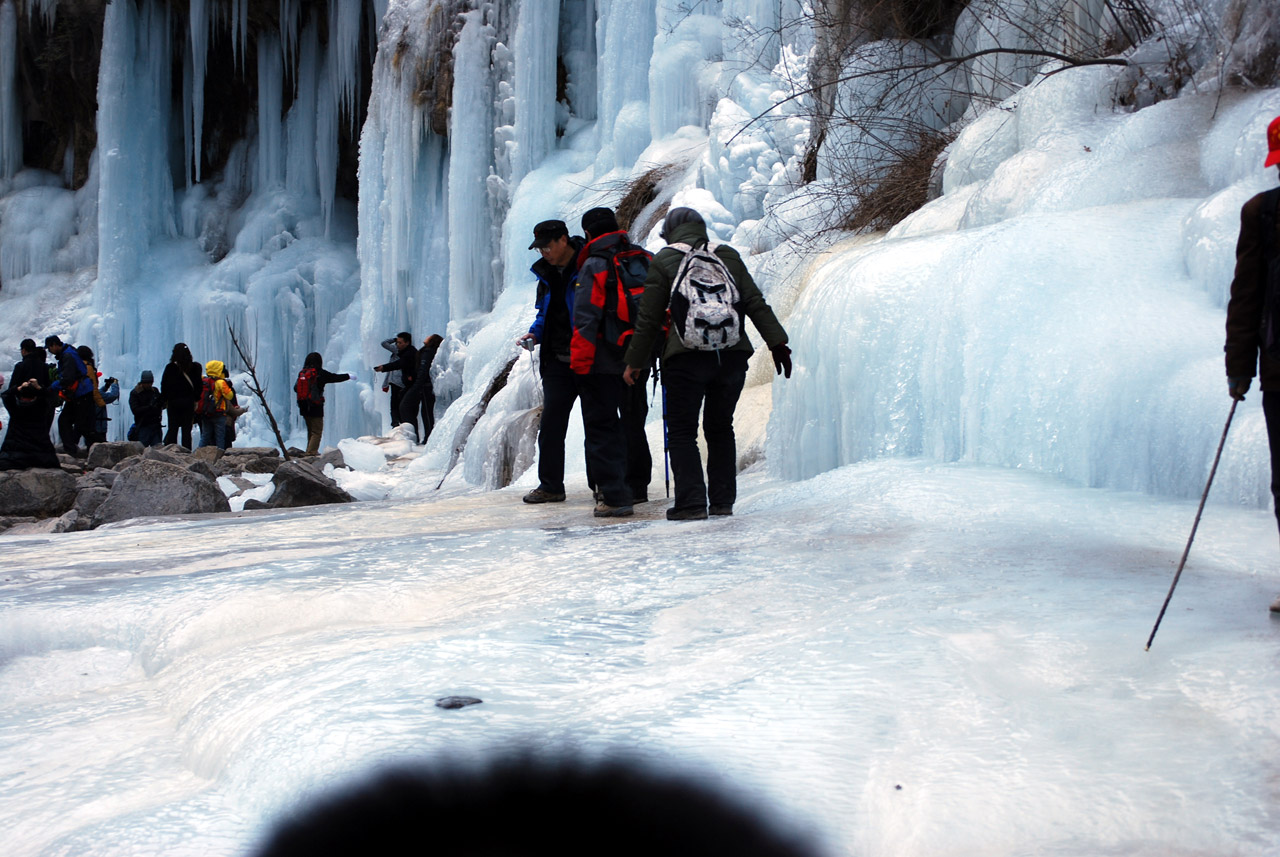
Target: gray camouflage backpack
{"points": [[704, 301]]}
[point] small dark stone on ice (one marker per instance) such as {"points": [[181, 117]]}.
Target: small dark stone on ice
{"points": [[457, 701], [898, 788]]}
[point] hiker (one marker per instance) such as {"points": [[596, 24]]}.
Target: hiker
{"points": [[180, 389], [146, 404], [1246, 352], [400, 374], [75, 389], [552, 330], [26, 444], [698, 376], [310, 392], [32, 365], [421, 396], [601, 325], [100, 418], [211, 407], [109, 392]]}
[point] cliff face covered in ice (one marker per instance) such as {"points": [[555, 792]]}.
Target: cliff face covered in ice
{"points": [[321, 176]]}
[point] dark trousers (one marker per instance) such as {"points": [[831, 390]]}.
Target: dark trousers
{"points": [[397, 399], [635, 410], [602, 397], [77, 421], [181, 416], [1271, 410], [710, 382], [559, 392], [149, 434], [421, 397]]}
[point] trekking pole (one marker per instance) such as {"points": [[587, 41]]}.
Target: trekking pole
{"points": [[1190, 538], [666, 461]]}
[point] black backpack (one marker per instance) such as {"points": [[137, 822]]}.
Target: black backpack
{"points": [[1271, 276]]}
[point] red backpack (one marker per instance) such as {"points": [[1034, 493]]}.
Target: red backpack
{"points": [[207, 404], [308, 387]]}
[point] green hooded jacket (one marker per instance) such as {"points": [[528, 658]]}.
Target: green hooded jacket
{"points": [[657, 296]]}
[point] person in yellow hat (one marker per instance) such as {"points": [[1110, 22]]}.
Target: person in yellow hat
{"points": [[1253, 325]]}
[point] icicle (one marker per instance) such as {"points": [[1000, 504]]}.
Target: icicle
{"points": [[344, 53], [534, 47], [199, 17], [239, 30], [471, 279], [270, 103], [300, 126], [289, 36], [10, 116], [48, 12], [326, 142]]}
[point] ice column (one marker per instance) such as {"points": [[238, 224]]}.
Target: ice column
{"points": [[136, 201], [302, 146], [534, 47], [625, 30], [10, 118], [344, 53], [199, 20], [270, 85], [471, 274]]}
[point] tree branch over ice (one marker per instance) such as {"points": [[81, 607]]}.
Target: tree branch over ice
{"points": [[255, 387]]}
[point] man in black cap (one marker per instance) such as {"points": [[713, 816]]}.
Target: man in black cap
{"points": [[552, 329]]}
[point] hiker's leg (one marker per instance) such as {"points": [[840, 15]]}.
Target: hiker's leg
{"points": [[686, 380], [717, 427], [559, 391]]}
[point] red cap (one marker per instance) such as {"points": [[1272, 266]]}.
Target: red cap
{"points": [[1273, 143]]}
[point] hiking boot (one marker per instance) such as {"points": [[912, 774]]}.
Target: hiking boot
{"points": [[690, 514], [1275, 605], [540, 495], [720, 510], [604, 510]]}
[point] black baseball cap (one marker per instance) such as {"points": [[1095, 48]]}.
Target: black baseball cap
{"points": [[546, 232]]}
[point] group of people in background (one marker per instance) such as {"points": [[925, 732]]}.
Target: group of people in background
{"points": [[602, 328]]}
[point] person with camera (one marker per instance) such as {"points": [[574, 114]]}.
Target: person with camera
{"points": [[27, 442]]}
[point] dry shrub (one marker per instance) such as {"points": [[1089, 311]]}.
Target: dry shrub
{"points": [[903, 189], [642, 191]]}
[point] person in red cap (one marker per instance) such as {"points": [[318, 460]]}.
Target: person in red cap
{"points": [[1257, 272]]}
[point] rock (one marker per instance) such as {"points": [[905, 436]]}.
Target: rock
{"points": [[12, 521], [159, 488], [234, 463], [333, 456], [156, 454], [252, 504], [107, 477], [110, 454], [72, 522], [207, 454], [201, 468], [34, 528], [70, 463], [38, 493], [256, 451], [173, 448], [126, 464], [89, 499], [301, 484], [452, 702], [294, 452], [241, 483]]}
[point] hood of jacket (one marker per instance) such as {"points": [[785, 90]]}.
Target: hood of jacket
{"points": [[215, 369], [692, 233]]}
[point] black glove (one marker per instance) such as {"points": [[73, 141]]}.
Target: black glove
{"points": [[781, 359]]}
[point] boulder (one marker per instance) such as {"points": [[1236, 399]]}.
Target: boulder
{"points": [[38, 493], [72, 522], [333, 456], [301, 484], [174, 448], [155, 453], [202, 468], [159, 488], [252, 503], [207, 454], [111, 454], [257, 451], [12, 521], [233, 463], [294, 452], [88, 501]]}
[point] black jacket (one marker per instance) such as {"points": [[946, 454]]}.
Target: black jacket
{"points": [[31, 366], [27, 442], [147, 404], [179, 387], [406, 362], [323, 376], [426, 356], [1248, 298]]}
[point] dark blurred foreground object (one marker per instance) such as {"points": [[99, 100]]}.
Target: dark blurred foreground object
{"points": [[528, 808]]}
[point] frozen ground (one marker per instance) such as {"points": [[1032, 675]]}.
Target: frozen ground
{"points": [[972, 635]]}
